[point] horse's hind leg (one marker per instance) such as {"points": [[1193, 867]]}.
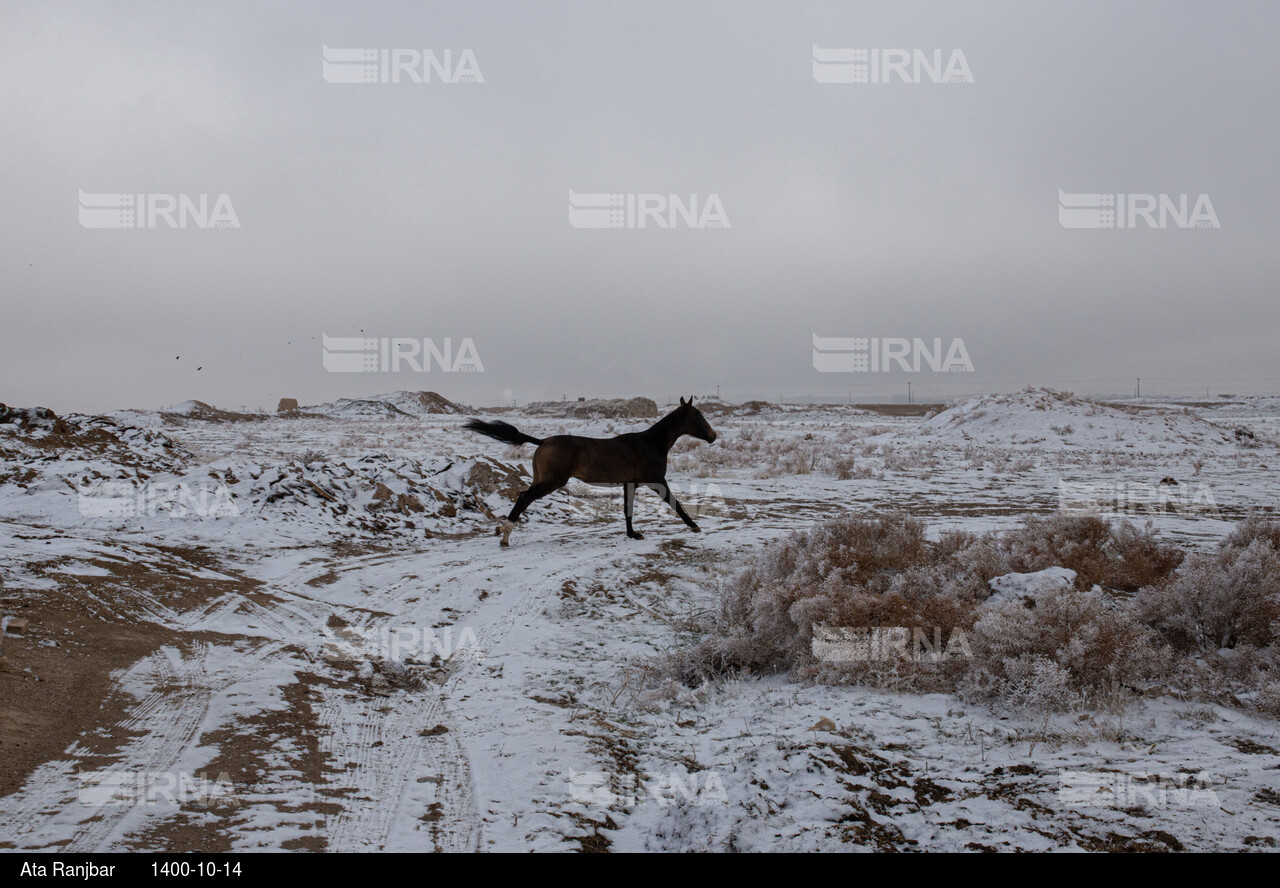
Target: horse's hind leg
{"points": [[537, 490], [664, 490]]}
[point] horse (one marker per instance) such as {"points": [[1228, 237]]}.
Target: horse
{"points": [[634, 459]]}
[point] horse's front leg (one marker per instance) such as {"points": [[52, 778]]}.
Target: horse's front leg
{"points": [[629, 502], [664, 490]]}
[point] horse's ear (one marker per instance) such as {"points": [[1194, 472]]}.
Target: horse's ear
{"points": [[684, 403]]}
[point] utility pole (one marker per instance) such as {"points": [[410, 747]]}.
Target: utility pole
{"points": [[1139, 386], [908, 392]]}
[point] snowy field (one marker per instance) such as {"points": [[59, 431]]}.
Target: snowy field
{"points": [[265, 632]]}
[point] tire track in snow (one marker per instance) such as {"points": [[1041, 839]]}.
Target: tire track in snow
{"points": [[399, 786], [405, 779], [165, 725]]}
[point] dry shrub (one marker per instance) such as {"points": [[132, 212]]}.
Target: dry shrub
{"points": [[1252, 529], [1118, 557], [937, 608], [1225, 599], [1139, 560], [1092, 645], [1069, 646], [980, 556], [844, 467], [1245, 676], [1075, 542], [766, 455], [835, 563], [882, 572], [1268, 698], [1122, 557], [839, 570], [1032, 682]]}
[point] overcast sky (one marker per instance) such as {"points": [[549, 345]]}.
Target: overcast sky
{"points": [[441, 210]]}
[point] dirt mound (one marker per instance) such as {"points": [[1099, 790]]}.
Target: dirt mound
{"points": [[392, 405], [32, 419], [596, 408], [354, 408], [199, 410], [378, 493], [716, 407], [36, 444], [119, 470], [1043, 419], [421, 403], [713, 406]]}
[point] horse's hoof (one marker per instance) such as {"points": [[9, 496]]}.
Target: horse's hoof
{"points": [[503, 543], [635, 535], [695, 528]]}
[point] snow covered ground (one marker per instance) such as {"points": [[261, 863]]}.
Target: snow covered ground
{"points": [[305, 636]]}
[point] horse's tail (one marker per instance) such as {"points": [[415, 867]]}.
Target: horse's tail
{"points": [[501, 431]]}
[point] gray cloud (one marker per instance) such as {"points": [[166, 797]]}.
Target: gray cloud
{"points": [[440, 210]]}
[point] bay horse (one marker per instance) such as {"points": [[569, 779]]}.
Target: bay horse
{"points": [[634, 459]]}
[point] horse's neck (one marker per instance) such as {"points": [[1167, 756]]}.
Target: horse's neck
{"points": [[666, 430]]}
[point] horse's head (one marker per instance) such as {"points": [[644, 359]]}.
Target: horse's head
{"points": [[692, 422]]}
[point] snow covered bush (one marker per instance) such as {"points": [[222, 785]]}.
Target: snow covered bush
{"points": [[873, 601], [1224, 599], [1093, 645], [1033, 683], [1120, 557], [847, 572], [814, 574]]}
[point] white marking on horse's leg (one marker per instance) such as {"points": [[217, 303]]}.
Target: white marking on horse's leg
{"points": [[506, 529]]}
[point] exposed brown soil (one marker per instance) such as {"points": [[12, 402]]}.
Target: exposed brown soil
{"points": [[247, 750], [56, 679], [50, 696]]}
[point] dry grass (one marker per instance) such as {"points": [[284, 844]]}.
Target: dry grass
{"points": [[1227, 599], [1069, 647]]}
